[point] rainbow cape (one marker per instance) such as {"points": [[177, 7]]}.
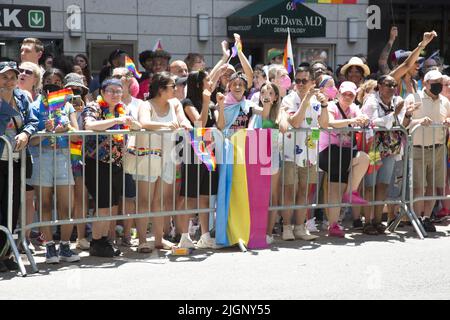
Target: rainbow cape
{"points": [[129, 64], [202, 148], [244, 189]]}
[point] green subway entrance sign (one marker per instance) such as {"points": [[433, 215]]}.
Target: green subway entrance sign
{"points": [[24, 18], [36, 19]]}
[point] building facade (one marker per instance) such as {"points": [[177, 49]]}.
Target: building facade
{"points": [[182, 25]]}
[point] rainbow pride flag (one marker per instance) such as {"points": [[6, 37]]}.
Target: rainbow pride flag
{"points": [[56, 102], [58, 99], [288, 58], [244, 189], [129, 64], [202, 148], [76, 150]]}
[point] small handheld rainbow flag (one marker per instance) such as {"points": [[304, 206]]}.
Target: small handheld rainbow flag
{"points": [[202, 149], [56, 101], [129, 64]]}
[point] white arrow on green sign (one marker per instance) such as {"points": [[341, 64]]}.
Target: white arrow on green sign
{"points": [[36, 19]]}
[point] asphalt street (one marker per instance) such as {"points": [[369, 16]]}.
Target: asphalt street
{"points": [[394, 266]]}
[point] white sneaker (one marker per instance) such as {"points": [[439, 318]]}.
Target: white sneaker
{"points": [[83, 244], [269, 239], [301, 232], [206, 243], [288, 234], [186, 242]]}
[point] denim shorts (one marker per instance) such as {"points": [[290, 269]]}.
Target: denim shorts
{"points": [[56, 168], [382, 175]]}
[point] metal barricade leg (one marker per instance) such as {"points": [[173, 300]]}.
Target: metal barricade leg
{"points": [[418, 227], [16, 253], [29, 255]]}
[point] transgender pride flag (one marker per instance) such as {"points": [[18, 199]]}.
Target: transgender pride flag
{"points": [[288, 59]]}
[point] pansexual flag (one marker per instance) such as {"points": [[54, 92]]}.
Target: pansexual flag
{"points": [[129, 64], [244, 189], [203, 148], [288, 59]]}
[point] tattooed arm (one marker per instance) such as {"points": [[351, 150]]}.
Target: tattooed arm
{"points": [[384, 57]]}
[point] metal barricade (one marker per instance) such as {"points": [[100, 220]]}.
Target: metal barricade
{"points": [[428, 168], [8, 230], [307, 135], [167, 172], [173, 165]]}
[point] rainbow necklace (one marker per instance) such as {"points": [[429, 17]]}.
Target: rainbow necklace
{"points": [[119, 111]]}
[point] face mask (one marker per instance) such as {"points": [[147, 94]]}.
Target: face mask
{"points": [[51, 88], [331, 92], [285, 82], [436, 88]]}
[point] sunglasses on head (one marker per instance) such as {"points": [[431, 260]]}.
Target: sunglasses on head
{"points": [[301, 81], [26, 71], [10, 64]]}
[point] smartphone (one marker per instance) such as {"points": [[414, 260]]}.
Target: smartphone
{"points": [[77, 101]]}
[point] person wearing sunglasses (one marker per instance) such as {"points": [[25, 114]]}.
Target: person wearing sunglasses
{"points": [[17, 124], [160, 112], [385, 110], [306, 108], [30, 79]]}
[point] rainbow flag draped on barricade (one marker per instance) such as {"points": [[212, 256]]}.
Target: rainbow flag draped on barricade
{"points": [[244, 186]]}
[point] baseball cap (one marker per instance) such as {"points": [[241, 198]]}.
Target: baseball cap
{"points": [[348, 86], [433, 75], [9, 65]]}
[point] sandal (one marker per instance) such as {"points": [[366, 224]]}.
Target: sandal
{"points": [[370, 229], [165, 245], [144, 248]]}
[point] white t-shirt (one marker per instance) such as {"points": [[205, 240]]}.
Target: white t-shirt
{"points": [[133, 108], [306, 150]]}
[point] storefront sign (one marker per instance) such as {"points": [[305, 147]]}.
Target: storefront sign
{"points": [[274, 17], [24, 18]]}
